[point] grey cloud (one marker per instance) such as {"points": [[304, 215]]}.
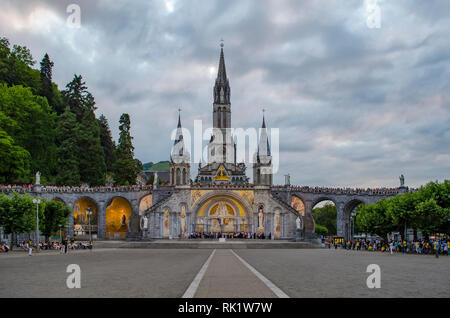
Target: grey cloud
{"points": [[355, 106]]}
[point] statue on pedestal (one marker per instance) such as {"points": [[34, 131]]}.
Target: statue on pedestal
{"points": [[297, 221], [38, 178], [402, 181]]}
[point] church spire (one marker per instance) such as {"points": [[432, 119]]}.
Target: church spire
{"points": [[222, 86], [263, 146], [179, 153], [179, 118]]}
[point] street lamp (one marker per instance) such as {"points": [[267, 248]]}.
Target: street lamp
{"points": [[89, 213], [60, 236], [353, 215], [37, 202]]}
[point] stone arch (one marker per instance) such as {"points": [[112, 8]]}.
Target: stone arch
{"points": [[211, 198], [347, 217], [59, 200], [117, 215], [320, 199], [145, 202], [298, 203], [82, 224]]}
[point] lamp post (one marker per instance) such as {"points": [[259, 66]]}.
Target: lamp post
{"points": [[60, 236], [353, 222], [89, 213], [37, 202]]}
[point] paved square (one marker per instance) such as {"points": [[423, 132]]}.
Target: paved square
{"points": [[169, 273]]}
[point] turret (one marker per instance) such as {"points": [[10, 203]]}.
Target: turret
{"points": [[262, 161], [179, 159]]}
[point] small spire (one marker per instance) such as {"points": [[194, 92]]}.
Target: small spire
{"points": [[179, 117], [264, 120]]}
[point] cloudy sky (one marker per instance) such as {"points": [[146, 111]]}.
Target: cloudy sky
{"points": [[356, 105]]}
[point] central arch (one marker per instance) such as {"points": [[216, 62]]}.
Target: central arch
{"points": [[222, 212]]}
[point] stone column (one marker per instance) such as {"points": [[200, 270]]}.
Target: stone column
{"points": [[101, 214], [71, 222], [340, 222], [308, 207]]}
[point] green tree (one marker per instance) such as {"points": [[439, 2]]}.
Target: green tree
{"points": [[321, 230], [107, 143], [326, 216], [90, 155], [76, 96], [46, 78], [55, 213], [18, 214], [15, 66], [374, 219], [92, 159], [68, 150], [126, 168], [14, 160], [402, 211], [29, 121]]}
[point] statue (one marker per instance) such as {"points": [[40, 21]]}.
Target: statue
{"points": [[297, 221], [38, 178], [402, 181], [261, 217], [144, 223]]}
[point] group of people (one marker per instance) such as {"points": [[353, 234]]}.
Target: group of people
{"points": [[4, 247], [239, 235], [436, 247], [63, 246], [382, 191], [49, 188]]}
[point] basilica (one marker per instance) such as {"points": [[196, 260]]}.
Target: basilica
{"points": [[221, 199]]}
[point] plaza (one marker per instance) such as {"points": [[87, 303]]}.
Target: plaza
{"points": [[223, 273]]}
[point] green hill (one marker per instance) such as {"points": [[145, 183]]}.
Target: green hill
{"points": [[160, 166]]}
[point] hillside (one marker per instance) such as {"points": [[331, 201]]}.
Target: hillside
{"points": [[160, 166]]}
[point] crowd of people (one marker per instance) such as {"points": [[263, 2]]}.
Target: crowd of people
{"points": [[63, 246], [49, 188], [331, 190], [436, 247], [239, 235]]}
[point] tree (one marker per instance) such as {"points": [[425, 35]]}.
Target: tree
{"points": [[321, 230], [46, 78], [29, 121], [68, 150], [14, 160], [107, 143], [402, 211], [326, 216], [55, 213], [90, 155], [374, 219], [76, 96], [15, 67], [126, 168], [18, 214]]}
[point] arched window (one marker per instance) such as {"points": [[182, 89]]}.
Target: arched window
{"points": [[184, 176], [178, 181]]}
